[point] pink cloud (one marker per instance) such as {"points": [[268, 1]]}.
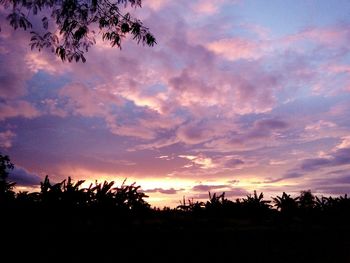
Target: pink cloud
{"points": [[132, 130], [337, 68], [156, 5], [329, 36], [321, 124], [156, 144], [207, 7], [14, 75], [43, 61], [262, 133], [192, 134], [18, 108], [100, 102], [6, 139], [87, 101], [236, 48], [201, 161]]}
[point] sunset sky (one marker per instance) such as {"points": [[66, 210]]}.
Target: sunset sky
{"points": [[238, 95]]}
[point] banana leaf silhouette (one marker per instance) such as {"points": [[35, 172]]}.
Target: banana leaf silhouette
{"points": [[286, 203]]}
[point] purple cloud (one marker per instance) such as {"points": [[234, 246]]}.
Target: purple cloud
{"points": [[315, 163], [288, 175], [206, 188], [24, 178], [18, 108], [170, 191], [271, 124], [337, 158], [6, 139], [230, 194]]}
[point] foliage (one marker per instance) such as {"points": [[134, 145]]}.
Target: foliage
{"points": [[193, 206], [306, 200], [68, 26], [6, 187], [101, 195], [286, 203], [5, 166], [256, 201]]}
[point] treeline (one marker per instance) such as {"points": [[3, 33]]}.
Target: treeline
{"points": [[128, 199], [254, 206]]}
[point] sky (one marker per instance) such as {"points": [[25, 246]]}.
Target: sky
{"points": [[238, 95]]}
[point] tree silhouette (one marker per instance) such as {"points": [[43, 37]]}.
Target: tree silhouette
{"points": [[129, 197], [254, 206], [68, 194], [306, 200], [191, 206], [256, 202], [6, 187], [68, 26], [286, 204]]}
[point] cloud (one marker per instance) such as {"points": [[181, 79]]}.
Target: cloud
{"points": [[329, 36], [236, 48], [321, 124], [157, 144], [18, 108], [207, 7], [315, 163], [170, 191], [341, 180], [200, 161], [339, 157], [53, 108], [233, 162], [24, 178], [14, 72], [333, 190], [229, 193], [156, 5], [234, 181], [102, 103], [271, 124], [88, 101], [344, 144], [193, 133], [36, 62], [6, 139], [207, 188], [265, 128], [288, 175], [262, 132]]}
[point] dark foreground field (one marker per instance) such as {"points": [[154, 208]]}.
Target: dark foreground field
{"points": [[168, 237]]}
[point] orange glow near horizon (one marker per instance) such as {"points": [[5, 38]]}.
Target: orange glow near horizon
{"points": [[170, 191]]}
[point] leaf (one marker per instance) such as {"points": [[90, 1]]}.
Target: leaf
{"points": [[45, 22], [125, 28]]}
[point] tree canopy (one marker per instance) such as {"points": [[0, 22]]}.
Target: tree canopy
{"points": [[69, 27]]}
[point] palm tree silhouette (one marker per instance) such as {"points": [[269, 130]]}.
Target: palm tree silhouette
{"points": [[285, 203], [306, 200]]}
